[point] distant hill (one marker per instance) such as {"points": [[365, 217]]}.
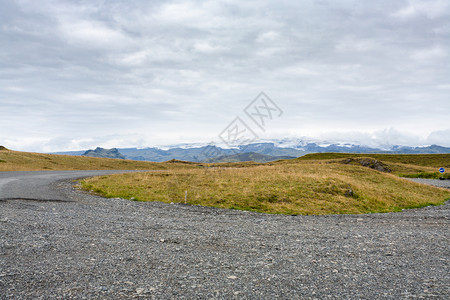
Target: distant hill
{"points": [[247, 156], [105, 153], [204, 153]]}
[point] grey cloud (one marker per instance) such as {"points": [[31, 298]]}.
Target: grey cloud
{"points": [[87, 69]]}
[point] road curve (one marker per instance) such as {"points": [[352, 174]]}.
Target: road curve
{"points": [[41, 185], [89, 247]]}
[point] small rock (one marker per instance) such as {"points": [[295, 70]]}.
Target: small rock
{"points": [[232, 277]]}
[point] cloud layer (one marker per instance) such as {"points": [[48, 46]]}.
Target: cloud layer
{"points": [[142, 73]]}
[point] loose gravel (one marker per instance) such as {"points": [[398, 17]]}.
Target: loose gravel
{"points": [[96, 248]]}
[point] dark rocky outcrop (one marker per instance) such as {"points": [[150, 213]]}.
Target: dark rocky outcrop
{"points": [[105, 153], [369, 163]]}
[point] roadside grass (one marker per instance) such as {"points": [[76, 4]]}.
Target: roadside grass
{"points": [[28, 161], [306, 187]]}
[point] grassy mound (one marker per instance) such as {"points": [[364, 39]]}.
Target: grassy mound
{"points": [[296, 188]]}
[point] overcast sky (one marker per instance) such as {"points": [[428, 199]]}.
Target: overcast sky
{"points": [[80, 74]]}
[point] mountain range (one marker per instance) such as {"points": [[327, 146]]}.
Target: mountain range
{"points": [[259, 152]]}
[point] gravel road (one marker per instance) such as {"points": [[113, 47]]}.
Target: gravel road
{"points": [[435, 182], [88, 247], [41, 185]]}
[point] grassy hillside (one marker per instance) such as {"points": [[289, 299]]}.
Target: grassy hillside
{"points": [[27, 161]]}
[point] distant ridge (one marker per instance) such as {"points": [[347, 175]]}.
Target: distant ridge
{"points": [[247, 156], [277, 148]]}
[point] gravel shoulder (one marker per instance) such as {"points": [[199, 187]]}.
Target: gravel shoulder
{"points": [[89, 247]]}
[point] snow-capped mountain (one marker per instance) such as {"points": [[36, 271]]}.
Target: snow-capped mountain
{"points": [[200, 152]]}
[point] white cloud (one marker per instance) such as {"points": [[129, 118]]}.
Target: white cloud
{"points": [[207, 47], [268, 37], [426, 54], [92, 34], [423, 8], [386, 138], [354, 44], [439, 137], [299, 70]]}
